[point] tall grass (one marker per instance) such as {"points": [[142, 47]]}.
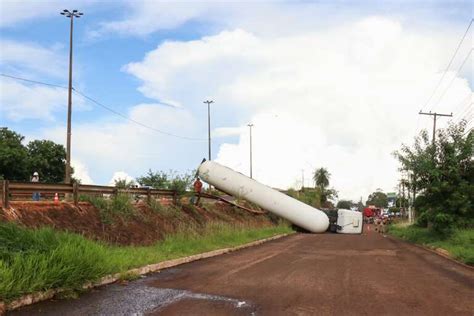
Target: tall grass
{"points": [[117, 205], [460, 244], [41, 259]]}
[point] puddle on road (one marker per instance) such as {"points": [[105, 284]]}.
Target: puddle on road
{"points": [[136, 298]]}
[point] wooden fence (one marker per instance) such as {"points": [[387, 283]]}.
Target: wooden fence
{"points": [[10, 190]]}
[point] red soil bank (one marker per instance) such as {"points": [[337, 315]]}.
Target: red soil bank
{"points": [[143, 227]]}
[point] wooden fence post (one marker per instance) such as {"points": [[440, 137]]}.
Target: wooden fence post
{"points": [[75, 193], [148, 196], [5, 194], [175, 197]]}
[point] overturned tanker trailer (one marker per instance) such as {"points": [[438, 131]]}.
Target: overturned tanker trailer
{"points": [[241, 186]]}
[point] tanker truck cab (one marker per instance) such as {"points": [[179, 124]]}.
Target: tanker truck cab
{"points": [[349, 222]]}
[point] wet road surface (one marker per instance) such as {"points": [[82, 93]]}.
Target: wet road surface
{"points": [[303, 274]]}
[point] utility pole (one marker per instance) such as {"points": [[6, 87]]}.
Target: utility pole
{"points": [[302, 180], [209, 124], [434, 121], [70, 15], [250, 125]]}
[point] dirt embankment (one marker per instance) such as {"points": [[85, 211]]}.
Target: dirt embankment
{"points": [[143, 226]]}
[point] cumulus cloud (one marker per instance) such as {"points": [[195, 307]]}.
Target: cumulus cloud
{"points": [[147, 16], [108, 145], [26, 58], [29, 100], [343, 98], [121, 175], [13, 12], [81, 172]]}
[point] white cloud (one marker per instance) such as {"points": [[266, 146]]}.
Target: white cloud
{"points": [[81, 172], [20, 101], [27, 58], [29, 100], [16, 12], [106, 146], [343, 98], [121, 175], [149, 16]]}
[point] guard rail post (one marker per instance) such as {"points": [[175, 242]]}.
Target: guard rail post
{"points": [[75, 193], [175, 197], [148, 196], [5, 194]]}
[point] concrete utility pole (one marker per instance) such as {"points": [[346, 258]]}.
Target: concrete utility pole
{"points": [[250, 127], [302, 180], [209, 124], [70, 15], [434, 121]]}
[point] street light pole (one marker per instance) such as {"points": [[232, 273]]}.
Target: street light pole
{"points": [[250, 127], [71, 16], [209, 124]]}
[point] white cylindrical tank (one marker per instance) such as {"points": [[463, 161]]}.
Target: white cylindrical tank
{"points": [[238, 185]]}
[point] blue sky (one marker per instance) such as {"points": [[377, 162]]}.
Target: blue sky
{"points": [[291, 68]]}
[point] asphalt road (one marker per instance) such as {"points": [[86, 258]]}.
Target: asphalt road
{"points": [[304, 274]]}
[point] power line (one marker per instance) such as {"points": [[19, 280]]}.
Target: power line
{"points": [[435, 115], [454, 77], [134, 121], [449, 65], [32, 81], [104, 106]]}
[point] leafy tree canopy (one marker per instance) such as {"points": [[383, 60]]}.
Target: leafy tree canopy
{"points": [[13, 156], [377, 198], [346, 204], [18, 162], [443, 175], [48, 159], [321, 177]]}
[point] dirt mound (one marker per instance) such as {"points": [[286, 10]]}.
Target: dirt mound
{"points": [[144, 226]]}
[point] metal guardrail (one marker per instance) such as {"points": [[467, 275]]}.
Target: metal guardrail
{"points": [[10, 189]]}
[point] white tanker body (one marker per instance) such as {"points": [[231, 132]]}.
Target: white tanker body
{"points": [[239, 185]]}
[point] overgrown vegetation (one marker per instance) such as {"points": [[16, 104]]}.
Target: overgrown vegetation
{"points": [[459, 243], [116, 205], [42, 259], [441, 177], [171, 180]]}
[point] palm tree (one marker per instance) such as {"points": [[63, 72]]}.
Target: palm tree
{"points": [[321, 178]]}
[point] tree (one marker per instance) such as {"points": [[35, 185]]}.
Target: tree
{"points": [[48, 159], [346, 204], [321, 178], [124, 183], [157, 180], [13, 156], [171, 180], [443, 176], [377, 198]]}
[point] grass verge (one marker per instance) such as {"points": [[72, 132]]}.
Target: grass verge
{"points": [[460, 244], [42, 259]]}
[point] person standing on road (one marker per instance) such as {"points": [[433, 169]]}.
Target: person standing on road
{"points": [[197, 191], [35, 178]]}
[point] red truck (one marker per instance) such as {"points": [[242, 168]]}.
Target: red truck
{"points": [[370, 213]]}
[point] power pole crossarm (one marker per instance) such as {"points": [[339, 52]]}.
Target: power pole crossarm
{"points": [[434, 114]]}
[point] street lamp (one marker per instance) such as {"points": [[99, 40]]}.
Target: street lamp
{"points": [[250, 125], [71, 16], [209, 124]]}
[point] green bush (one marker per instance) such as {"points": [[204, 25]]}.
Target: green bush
{"points": [[458, 243]]}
